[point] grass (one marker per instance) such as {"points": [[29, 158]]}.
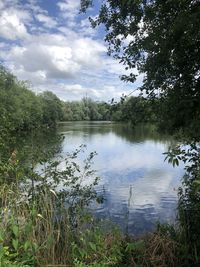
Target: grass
{"points": [[43, 227], [40, 233]]}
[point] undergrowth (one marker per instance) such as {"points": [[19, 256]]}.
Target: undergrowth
{"points": [[44, 222]]}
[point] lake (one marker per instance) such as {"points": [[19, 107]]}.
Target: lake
{"points": [[139, 188]]}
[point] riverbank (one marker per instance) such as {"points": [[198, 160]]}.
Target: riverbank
{"points": [[43, 232], [43, 224]]}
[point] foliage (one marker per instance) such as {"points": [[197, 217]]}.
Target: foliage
{"points": [[21, 153], [189, 199], [97, 248], [41, 222], [42, 214], [128, 109], [135, 110], [22, 109], [86, 109], [25, 111], [52, 108], [162, 40]]}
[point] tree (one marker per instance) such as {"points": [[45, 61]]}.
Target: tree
{"points": [[162, 40], [135, 109], [164, 45], [52, 108], [21, 108]]}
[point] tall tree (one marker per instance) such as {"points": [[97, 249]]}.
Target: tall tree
{"points": [[162, 40]]}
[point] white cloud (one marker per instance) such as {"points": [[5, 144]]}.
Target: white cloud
{"points": [[46, 20], [69, 9], [7, 3], [57, 55], [64, 91], [77, 91], [87, 52], [3, 45], [55, 61], [114, 67], [86, 29], [59, 52], [12, 26], [69, 6], [36, 78]]}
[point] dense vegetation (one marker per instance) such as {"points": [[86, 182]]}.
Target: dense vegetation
{"points": [[163, 43], [21, 109], [41, 225], [86, 109], [128, 109]]}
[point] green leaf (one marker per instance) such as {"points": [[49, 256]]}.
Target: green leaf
{"points": [[82, 253], [138, 245], [175, 162], [93, 246], [27, 245], [197, 182], [15, 243], [35, 247], [15, 230], [1, 237]]}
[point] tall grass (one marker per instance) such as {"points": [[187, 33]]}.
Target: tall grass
{"points": [[40, 233], [40, 222], [43, 224], [33, 231]]}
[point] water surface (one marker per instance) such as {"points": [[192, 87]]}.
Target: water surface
{"points": [[140, 189]]}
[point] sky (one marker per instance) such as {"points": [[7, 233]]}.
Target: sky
{"points": [[52, 46]]}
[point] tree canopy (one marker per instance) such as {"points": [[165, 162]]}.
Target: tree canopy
{"points": [[22, 109], [162, 40]]}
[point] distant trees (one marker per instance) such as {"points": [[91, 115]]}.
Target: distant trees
{"points": [[86, 109], [132, 109], [21, 109]]}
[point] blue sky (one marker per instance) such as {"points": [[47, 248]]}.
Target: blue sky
{"points": [[50, 44]]}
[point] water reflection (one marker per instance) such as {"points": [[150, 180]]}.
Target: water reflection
{"points": [[38, 145], [139, 187]]}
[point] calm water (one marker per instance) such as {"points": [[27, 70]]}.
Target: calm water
{"points": [[138, 186]]}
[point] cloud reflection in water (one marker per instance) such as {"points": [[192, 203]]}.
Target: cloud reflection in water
{"points": [[139, 187]]}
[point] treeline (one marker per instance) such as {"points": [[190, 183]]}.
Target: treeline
{"points": [[86, 109], [131, 109], [22, 109]]}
